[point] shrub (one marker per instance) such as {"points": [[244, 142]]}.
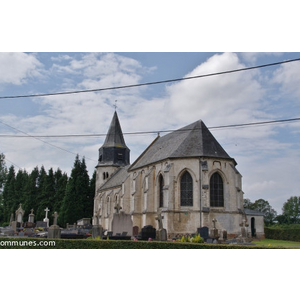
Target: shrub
{"points": [[285, 233], [110, 244], [197, 239]]}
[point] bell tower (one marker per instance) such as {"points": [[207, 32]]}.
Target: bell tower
{"points": [[113, 153]]}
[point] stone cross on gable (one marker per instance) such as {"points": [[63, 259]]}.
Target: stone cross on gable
{"points": [[118, 207], [214, 221], [46, 210], [55, 215], [159, 218]]}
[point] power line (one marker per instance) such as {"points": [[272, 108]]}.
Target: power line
{"points": [[140, 132], [37, 138], [150, 83]]}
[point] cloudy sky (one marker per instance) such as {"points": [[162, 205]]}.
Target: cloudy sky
{"points": [[267, 156]]}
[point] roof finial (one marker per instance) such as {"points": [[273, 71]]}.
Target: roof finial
{"points": [[115, 105]]}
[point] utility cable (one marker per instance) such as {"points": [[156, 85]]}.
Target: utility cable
{"points": [[37, 138], [150, 83], [142, 132]]}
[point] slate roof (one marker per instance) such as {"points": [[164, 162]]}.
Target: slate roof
{"points": [[114, 137], [253, 212], [117, 178], [194, 140]]}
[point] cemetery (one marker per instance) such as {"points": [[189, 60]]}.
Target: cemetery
{"points": [[84, 233]]}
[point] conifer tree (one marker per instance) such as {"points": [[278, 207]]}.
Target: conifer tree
{"points": [[20, 188], [89, 207], [60, 189], [3, 174], [76, 196], [46, 192], [31, 191], [9, 197]]}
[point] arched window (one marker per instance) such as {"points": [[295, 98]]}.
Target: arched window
{"points": [[161, 191], [186, 189], [216, 190]]}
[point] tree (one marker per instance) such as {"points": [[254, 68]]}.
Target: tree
{"points": [[20, 187], [9, 196], [291, 211], [46, 192], [76, 198], [3, 171], [263, 206], [3, 174], [89, 206], [31, 191], [270, 214], [61, 181]]}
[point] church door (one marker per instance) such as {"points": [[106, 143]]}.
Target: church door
{"points": [[253, 229]]}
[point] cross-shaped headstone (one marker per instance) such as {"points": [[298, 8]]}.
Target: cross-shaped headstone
{"points": [[159, 218], [97, 214], [118, 207], [55, 215], [46, 210], [214, 221]]}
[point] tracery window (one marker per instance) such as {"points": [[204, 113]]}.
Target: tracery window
{"points": [[186, 189], [216, 190]]}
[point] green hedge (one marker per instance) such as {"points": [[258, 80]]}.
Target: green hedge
{"points": [[33, 243], [290, 234]]}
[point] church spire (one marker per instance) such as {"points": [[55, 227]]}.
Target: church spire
{"points": [[114, 151], [114, 137]]}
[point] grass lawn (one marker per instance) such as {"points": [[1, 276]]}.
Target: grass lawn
{"points": [[277, 243]]}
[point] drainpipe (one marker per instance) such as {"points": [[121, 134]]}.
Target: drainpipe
{"points": [[200, 190]]}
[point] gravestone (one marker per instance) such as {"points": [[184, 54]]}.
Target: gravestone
{"points": [[135, 230], [204, 232], [97, 229], [214, 231], [243, 232], [11, 219], [161, 232], [46, 220], [121, 222], [41, 224], [31, 217], [19, 214], [29, 225], [147, 232], [54, 231]]}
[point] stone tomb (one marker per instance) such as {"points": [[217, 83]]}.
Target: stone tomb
{"points": [[121, 222]]}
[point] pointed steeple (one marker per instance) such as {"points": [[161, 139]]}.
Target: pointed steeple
{"points": [[114, 137], [114, 151]]}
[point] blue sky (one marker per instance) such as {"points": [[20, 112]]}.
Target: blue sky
{"points": [[267, 156]]}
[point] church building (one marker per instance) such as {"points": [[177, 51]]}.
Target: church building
{"points": [[185, 176]]}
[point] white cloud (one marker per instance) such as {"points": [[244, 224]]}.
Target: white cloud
{"points": [[17, 67], [217, 100], [288, 76]]}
